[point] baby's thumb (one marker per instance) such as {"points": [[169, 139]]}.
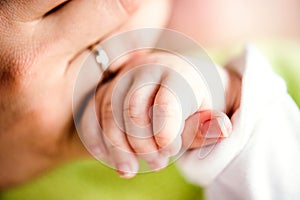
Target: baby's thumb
{"points": [[206, 128]]}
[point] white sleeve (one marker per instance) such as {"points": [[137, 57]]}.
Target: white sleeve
{"points": [[261, 159]]}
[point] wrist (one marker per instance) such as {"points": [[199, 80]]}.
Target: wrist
{"points": [[232, 82], [233, 92]]}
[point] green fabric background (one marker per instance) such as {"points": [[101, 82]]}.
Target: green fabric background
{"points": [[89, 180]]}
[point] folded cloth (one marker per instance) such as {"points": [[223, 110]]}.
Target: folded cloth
{"points": [[260, 160]]}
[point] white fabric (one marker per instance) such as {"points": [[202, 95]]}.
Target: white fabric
{"points": [[261, 159]]}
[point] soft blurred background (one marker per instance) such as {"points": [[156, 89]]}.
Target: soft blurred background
{"points": [[214, 23], [90, 180]]}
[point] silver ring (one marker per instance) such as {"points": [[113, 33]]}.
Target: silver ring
{"points": [[101, 58]]}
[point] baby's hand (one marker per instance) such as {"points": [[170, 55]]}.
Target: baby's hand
{"points": [[145, 109]]}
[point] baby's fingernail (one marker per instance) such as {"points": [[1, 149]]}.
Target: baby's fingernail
{"points": [[215, 128], [125, 171]]}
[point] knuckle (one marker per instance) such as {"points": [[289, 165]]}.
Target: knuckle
{"points": [[111, 140], [166, 109], [167, 100], [116, 145], [143, 149], [107, 110], [136, 109], [142, 146]]}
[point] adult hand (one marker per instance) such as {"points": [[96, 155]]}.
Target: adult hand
{"points": [[43, 44], [140, 114]]}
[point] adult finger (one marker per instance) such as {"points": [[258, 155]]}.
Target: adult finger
{"points": [[90, 131], [174, 102], [137, 120], [167, 120], [111, 119], [82, 23]]}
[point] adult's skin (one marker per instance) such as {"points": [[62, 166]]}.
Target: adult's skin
{"points": [[43, 44]]}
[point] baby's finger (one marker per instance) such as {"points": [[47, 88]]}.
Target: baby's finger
{"points": [[206, 128]]}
